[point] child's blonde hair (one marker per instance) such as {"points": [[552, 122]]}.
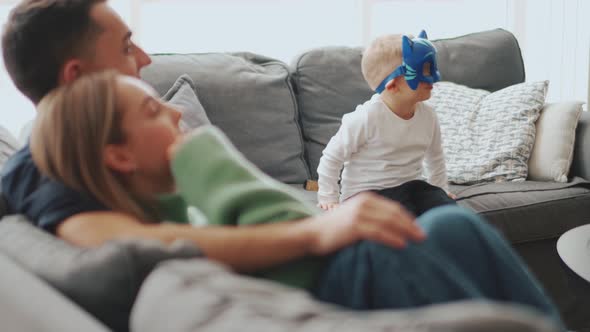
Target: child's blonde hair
{"points": [[74, 124], [381, 58]]}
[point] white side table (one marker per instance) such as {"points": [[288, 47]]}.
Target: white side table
{"points": [[574, 249]]}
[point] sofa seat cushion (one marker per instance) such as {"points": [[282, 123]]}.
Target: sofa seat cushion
{"points": [[522, 211], [529, 211], [250, 98]]}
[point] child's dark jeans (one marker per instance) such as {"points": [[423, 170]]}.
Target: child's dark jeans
{"points": [[417, 196]]}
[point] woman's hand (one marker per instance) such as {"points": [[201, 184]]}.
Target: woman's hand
{"points": [[366, 216]]}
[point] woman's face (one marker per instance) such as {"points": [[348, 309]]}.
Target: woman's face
{"points": [[149, 128]]}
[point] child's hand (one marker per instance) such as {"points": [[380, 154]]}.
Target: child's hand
{"points": [[328, 206], [451, 195]]}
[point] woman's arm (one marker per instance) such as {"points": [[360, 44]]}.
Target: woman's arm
{"points": [[243, 248], [213, 176], [251, 248]]}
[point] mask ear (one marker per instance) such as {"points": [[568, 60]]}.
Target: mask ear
{"points": [[117, 158], [423, 35], [406, 46]]}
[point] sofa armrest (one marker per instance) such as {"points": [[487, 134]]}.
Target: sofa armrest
{"points": [[581, 161], [29, 304]]}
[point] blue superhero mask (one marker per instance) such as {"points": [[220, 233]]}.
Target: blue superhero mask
{"points": [[416, 52]]}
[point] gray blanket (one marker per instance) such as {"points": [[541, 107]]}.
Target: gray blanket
{"points": [[198, 295]]}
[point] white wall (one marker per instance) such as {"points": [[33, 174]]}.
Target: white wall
{"points": [[15, 109], [556, 46], [554, 34]]}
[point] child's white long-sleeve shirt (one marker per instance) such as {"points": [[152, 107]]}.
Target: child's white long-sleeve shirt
{"points": [[380, 150]]}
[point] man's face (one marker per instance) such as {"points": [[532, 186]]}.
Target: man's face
{"points": [[113, 48]]}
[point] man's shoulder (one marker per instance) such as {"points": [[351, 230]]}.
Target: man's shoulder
{"points": [[20, 177], [46, 202], [19, 170]]}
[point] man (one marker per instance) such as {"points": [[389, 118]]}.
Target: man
{"points": [[47, 43]]}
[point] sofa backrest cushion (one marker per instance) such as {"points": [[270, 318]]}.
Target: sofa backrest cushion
{"points": [[248, 96], [329, 82], [104, 280], [489, 60]]}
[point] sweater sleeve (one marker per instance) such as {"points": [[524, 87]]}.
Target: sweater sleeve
{"points": [[434, 160], [214, 177], [351, 135]]}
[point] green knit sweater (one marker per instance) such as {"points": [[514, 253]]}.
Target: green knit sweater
{"points": [[212, 176]]}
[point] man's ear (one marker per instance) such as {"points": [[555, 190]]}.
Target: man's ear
{"points": [[70, 71], [118, 158]]}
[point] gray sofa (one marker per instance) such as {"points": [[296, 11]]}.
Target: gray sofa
{"points": [[281, 116], [284, 120]]}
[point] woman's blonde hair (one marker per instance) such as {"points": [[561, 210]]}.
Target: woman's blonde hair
{"points": [[74, 124]]}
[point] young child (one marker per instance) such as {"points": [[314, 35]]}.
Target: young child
{"points": [[384, 143]]}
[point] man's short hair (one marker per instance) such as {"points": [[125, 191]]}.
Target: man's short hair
{"points": [[40, 36], [381, 58]]}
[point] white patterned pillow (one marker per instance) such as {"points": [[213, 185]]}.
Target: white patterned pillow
{"points": [[488, 137]]}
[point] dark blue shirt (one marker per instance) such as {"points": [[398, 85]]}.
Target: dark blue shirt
{"points": [[46, 202]]}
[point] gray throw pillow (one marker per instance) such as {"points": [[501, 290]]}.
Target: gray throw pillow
{"points": [[182, 94], [250, 98], [104, 280]]}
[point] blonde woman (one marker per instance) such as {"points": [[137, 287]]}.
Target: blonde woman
{"points": [[110, 137]]}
